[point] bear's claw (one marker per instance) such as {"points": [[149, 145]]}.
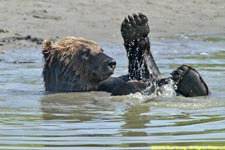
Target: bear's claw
{"points": [[179, 73], [189, 82], [134, 27]]}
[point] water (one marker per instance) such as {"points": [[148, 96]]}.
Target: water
{"points": [[31, 119]]}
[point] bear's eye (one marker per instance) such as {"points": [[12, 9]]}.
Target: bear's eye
{"points": [[85, 53]]}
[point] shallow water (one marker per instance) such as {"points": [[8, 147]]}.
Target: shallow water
{"points": [[31, 119]]}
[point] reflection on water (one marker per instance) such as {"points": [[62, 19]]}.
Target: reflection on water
{"points": [[32, 119]]}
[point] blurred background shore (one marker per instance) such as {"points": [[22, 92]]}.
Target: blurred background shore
{"points": [[25, 23]]}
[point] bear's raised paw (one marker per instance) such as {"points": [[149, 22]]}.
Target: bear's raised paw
{"points": [[134, 27]]}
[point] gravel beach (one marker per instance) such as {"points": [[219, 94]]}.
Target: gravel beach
{"points": [[25, 23]]}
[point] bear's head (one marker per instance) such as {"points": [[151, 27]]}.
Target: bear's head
{"points": [[75, 64]]}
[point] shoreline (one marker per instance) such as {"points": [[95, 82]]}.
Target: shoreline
{"points": [[100, 20]]}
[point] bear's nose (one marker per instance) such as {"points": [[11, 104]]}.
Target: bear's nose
{"points": [[112, 64]]}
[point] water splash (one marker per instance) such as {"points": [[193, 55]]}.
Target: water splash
{"points": [[167, 90], [151, 65]]}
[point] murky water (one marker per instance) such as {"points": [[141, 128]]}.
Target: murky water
{"points": [[31, 119]]}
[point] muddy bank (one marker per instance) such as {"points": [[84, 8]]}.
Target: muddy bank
{"points": [[100, 20]]}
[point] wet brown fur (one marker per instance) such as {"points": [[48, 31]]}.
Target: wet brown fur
{"points": [[65, 68]]}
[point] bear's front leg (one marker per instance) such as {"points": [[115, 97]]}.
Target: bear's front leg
{"points": [[135, 30]]}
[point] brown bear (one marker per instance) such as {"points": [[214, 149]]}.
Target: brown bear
{"points": [[75, 64]]}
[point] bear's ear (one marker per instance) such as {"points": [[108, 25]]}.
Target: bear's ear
{"points": [[46, 46]]}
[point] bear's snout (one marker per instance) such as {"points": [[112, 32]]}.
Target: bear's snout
{"points": [[112, 64], [109, 66]]}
